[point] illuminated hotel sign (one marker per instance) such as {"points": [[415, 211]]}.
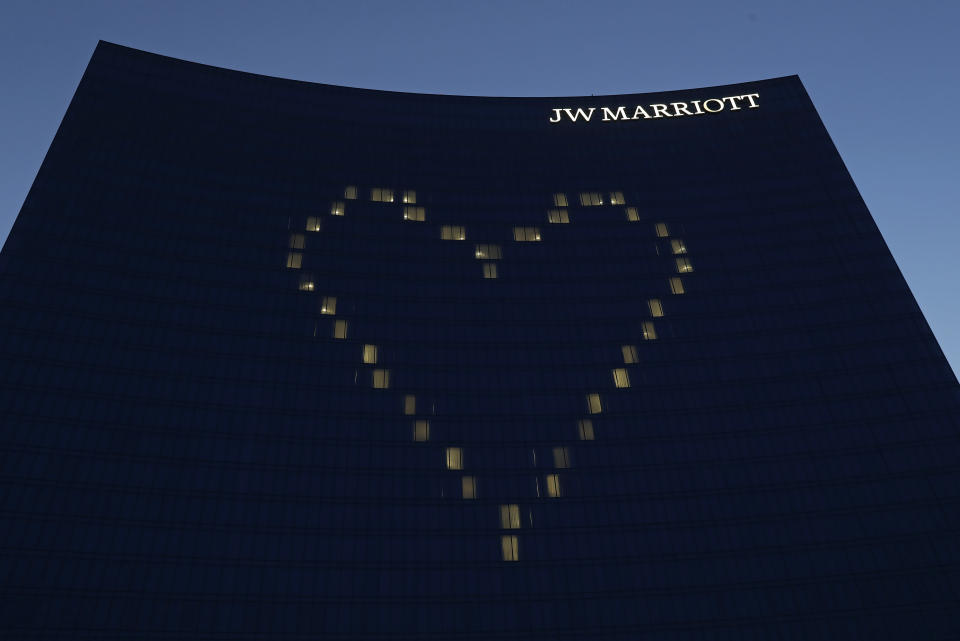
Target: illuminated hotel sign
{"points": [[660, 110]]}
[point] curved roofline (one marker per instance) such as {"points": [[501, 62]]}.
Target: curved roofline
{"points": [[104, 44]]}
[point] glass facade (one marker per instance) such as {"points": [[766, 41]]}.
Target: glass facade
{"points": [[295, 361]]}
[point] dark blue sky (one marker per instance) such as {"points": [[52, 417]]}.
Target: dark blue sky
{"points": [[884, 76]]}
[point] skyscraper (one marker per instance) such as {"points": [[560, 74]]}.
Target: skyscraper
{"points": [[295, 361]]}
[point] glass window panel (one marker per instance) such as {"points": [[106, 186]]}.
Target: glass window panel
{"points": [[629, 353], [649, 331], [661, 229], [585, 429], [526, 234], [509, 547], [560, 200], [553, 485], [616, 198], [489, 270], [621, 378], [683, 265], [418, 214], [409, 404], [454, 458], [380, 378], [558, 216], [340, 329], [632, 214], [306, 283], [594, 406], [591, 198], [421, 430], [561, 457], [656, 307], [294, 260], [369, 354], [297, 241], [328, 306], [314, 223], [350, 193], [676, 285], [510, 516], [488, 252], [337, 208], [678, 246], [453, 232], [469, 485], [409, 197]]}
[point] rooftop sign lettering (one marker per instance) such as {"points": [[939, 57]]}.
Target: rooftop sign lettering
{"points": [[660, 110]]}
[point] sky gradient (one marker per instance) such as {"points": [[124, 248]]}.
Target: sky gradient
{"points": [[884, 79]]}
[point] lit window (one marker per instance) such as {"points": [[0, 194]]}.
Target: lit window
{"points": [[629, 353], [553, 485], [489, 270], [453, 232], [676, 285], [380, 378], [656, 307], [561, 457], [421, 430], [339, 329], [683, 265], [560, 200], [337, 208], [678, 246], [294, 260], [313, 223], [369, 354], [306, 283], [454, 458], [509, 547], [469, 485], [621, 378], [594, 406], [409, 197], [418, 214], [381, 195], [409, 404], [350, 193], [510, 516], [632, 214], [526, 233], [328, 306], [297, 241], [661, 229], [558, 216], [616, 198], [488, 252], [591, 198], [649, 331], [585, 429]]}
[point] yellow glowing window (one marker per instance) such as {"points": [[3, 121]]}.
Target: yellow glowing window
{"points": [[621, 378], [488, 252], [337, 208], [328, 306], [676, 285], [629, 353], [558, 216], [454, 458], [380, 378], [306, 283], [591, 198], [510, 547], [369, 354], [339, 329], [649, 331], [560, 200], [469, 485], [594, 406], [632, 214], [409, 197], [683, 265], [553, 485], [421, 430], [350, 193], [523, 234], [314, 224], [656, 307], [453, 232], [418, 214], [297, 241], [510, 516], [294, 260], [561, 457], [616, 198], [381, 195], [409, 404], [585, 429], [489, 270], [678, 246], [661, 229]]}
